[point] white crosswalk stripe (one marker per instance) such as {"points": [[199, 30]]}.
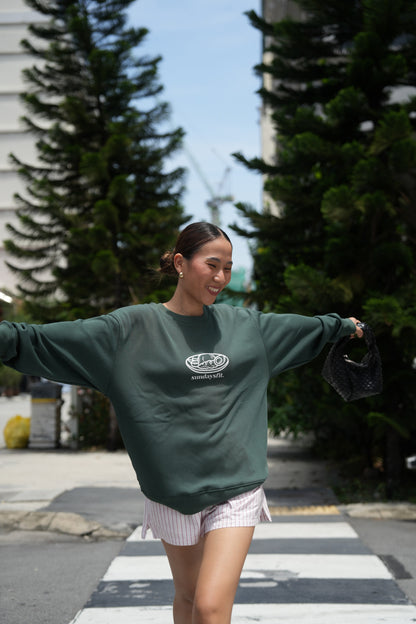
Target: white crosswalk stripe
{"points": [[266, 614], [314, 571], [262, 566]]}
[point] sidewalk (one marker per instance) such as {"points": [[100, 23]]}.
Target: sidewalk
{"points": [[299, 477], [65, 490]]}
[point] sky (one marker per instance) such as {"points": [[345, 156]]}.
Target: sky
{"points": [[209, 50]]}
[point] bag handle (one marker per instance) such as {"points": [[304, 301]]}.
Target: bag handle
{"points": [[369, 335]]}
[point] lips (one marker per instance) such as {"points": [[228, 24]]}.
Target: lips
{"points": [[213, 291]]}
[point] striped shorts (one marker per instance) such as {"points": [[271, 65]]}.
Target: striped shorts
{"points": [[246, 509]]}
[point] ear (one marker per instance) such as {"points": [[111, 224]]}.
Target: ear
{"points": [[178, 261]]}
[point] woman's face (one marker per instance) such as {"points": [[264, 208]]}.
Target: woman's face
{"points": [[208, 272]]}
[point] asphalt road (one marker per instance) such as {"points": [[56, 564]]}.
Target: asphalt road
{"points": [[45, 578], [394, 542]]}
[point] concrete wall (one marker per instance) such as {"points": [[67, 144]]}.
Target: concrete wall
{"points": [[272, 11]]}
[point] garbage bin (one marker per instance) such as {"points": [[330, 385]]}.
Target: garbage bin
{"points": [[45, 423]]}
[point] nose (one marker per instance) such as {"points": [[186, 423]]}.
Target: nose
{"points": [[220, 276]]}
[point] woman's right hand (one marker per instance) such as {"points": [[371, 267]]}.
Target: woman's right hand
{"points": [[358, 331]]}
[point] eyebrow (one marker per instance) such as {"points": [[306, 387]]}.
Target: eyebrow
{"points": [[218, 260]]}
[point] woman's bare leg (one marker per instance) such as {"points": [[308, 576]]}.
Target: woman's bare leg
{"points": [[184, 563], [206, 575], [225, 551]]}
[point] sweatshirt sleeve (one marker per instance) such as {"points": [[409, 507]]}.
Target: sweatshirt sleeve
{"points": [[291, 340], [75, 352]]}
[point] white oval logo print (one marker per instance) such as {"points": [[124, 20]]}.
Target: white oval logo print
{"points": [[207, 362]]}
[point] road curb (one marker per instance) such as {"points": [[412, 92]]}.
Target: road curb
{"points": [[376, 511], [380, 511], [60, 522], [75, 524], [304, 510]]}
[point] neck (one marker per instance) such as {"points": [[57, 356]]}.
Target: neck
{"points": [[186, 308]]}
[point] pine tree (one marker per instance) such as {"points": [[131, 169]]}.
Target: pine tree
{"points": [[344, 179], [101, 203]]}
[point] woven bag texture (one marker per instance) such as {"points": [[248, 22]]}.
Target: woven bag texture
{"points": [[354, 380]]}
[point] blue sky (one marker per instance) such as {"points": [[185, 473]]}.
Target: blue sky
{"points": [[209, 50]]}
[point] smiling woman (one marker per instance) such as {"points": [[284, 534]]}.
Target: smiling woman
{"points": [[188, 381]]}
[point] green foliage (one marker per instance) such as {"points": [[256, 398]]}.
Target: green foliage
{"points": [[94, 422], [9, 378], [341, 236], [101, 204]]}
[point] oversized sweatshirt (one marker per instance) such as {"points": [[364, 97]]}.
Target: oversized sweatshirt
{"points": [[189, 392]]}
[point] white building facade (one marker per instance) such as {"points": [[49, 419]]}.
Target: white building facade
{"points": [[15, 16]]}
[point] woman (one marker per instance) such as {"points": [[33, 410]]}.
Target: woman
{"points": [[188, 381]]}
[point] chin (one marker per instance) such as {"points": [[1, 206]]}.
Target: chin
{"points": [[209, 301]]}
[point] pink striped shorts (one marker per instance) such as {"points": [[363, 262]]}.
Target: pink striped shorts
{"points": [[246, 509]]}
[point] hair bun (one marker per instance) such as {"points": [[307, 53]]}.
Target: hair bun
{"points": [[166, 263]]}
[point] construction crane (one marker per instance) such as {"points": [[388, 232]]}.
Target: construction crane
{"points": [[217, 199]]}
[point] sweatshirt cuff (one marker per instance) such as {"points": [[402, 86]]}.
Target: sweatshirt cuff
{"points": [[350, 324]]}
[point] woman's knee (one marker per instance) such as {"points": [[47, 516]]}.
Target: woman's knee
{"points": [[185, 596], [207, 609]]}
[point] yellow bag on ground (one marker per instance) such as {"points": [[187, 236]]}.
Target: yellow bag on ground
{"points": [[16, 432]]}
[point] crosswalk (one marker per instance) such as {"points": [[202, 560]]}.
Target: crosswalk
{"points": [[310, 569]]}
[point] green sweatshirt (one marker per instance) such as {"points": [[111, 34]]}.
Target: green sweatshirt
{"points": [[189, 392]]}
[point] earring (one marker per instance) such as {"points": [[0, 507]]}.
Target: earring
{"points": [[181, 275]]}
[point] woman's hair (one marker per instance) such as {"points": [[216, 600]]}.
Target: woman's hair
{"points": [[190, 240]]}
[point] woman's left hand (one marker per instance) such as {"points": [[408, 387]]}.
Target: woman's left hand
{"points": [[358, 331]]}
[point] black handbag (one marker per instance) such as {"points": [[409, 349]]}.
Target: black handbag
{"points": [[354, 380]]}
